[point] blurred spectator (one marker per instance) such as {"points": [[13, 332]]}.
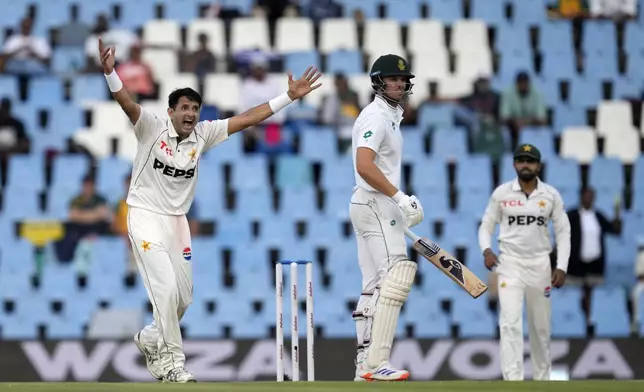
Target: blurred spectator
{"points": [[255, 90], [25, 54], [483, 101], [75, 32], [88, 216], [638, 289], [340, 110], [321, 9], [136, 75], [202, 61], [615, 9], [13, 138], [587, 251], [119, 225], [522, 105], [193, 222], [121, 39], [570, 8]]}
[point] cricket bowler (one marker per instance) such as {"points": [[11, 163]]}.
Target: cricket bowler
{"points": [[164, 176], [379, 213], [523, 207]]}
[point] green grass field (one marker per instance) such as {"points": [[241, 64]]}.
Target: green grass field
{"points": [[438, 386]]}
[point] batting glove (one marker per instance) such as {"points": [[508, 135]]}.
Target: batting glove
{"points": [[411, 208]]}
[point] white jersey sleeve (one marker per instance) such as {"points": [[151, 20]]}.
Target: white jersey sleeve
{"points": [[148, 126], [561, 226], [372, 133], [213, 132], [491, 218]]}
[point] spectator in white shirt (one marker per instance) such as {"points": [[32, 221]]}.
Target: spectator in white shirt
{"points": [[25, 54], [123, 39], [613, 8], [587, 256], [256, 89]]}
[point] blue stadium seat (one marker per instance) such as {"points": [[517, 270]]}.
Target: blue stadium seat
{"points": [[69, 170], [21, 204], [293, 172], [461, 230], [338, 174], [89, 10], [111, 176], [318, 144], [59, 199], [89, 87], [29, 114], [44, 90], [513, 60], [188, 10], [555, 37], [298, 203], [9, 87], [563, 174], [565, 116], [426, 317], [529, 12], [557, 66], [608, 312], [201, 324], [253, 203], [324, 231], [134, 14], [298, 62], [26, 166], [336, 203], [413, 144], [600, 37], [474, 174], [632, 41], [606, 175], [446, 11], [638, 174], [346, 62], [343, 327], [404, 11], [50, 14], [435, 202], [68, 60], [473, 317], [429, 174], [598, 66], [11, 13], [435, 115], [508, 173], [64, 329], [243, 6], [449, 143], [490, 11], [568, 320], [624, 88], [471, 203], [542, 138], [250, 173]]}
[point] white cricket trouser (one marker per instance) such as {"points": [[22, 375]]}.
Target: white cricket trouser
{"points": [[161, 246], [378, 224], [532, 278]]}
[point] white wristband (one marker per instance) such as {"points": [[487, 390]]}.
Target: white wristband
{"points": [[280, 102], [398, 196], [113, 81]]}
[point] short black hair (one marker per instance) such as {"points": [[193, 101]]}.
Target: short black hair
{"points": [[187, 92]]}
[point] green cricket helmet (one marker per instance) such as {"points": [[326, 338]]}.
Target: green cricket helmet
{"points": [[390, 65]]}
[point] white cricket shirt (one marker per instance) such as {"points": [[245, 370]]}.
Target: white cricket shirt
{"points": [[164, 173], [378, 128], [524, 222]]}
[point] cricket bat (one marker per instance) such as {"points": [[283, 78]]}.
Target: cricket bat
{"points": [[448, 264]]}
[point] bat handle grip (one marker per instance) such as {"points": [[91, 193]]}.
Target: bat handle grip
{"points": [[412, 236]]}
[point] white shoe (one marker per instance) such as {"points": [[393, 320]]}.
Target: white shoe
{"points": [[385, 372], [361, 366], [152, 358], [179, 375]]}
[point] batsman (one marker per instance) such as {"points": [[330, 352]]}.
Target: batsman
{"points": [[379, 214], [523, 208]]}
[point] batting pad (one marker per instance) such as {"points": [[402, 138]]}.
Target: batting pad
{"points": [[393, 294]]}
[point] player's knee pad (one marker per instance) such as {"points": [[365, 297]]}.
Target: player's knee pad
{"points": [[399, 281]]}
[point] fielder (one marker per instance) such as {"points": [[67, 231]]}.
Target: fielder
{"points": [[163, 184], [523, 208], [379, 214]]}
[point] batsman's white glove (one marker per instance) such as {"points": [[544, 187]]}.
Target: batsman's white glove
{"points": [[411, 208]]}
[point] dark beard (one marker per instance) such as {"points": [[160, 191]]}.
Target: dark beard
{"points": [[527, 176]]}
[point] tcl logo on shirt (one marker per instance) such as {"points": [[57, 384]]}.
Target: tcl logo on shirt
{"points": [[173, 171], [526, 220], [512, 203]]}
